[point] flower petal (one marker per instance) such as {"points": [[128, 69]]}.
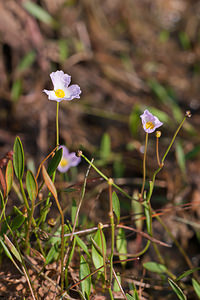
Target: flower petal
{"points": [[73, 91], [60, 80], [147, 117], [63, 169], [52, 96], [73, 159], [65, 151]]}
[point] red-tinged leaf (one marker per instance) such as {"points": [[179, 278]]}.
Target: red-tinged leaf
{"points": [[49, 183], [9, 176], [3, 183]]}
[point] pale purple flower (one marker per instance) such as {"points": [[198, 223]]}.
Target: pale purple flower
{"points": [[61, 89], [68, 160], [150, 122]]}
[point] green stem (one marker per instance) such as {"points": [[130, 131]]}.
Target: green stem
{"points": [[24, 196], [106, 178], [144, 165], [54, 174], [57, 124], [172, 141], [62, 243], [110, 182]]}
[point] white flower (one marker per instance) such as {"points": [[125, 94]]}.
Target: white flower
{"points": [[150, 122], [62, 90]]}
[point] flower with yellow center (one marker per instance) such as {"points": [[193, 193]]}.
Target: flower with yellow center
{"points": [[62, 90], [150, 122], [68, 160]]}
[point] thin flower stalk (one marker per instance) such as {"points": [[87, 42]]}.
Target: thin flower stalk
{"points": [[144, 165], [105, 177], [158, 135], [111, 216], [100, 226]]}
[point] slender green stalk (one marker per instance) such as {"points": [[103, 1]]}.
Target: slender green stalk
{"points": [[110, 182], [152, 183], [100, 226], [144, 165], [158, 134], [29, 216], [106, 178], [57, 124], [62, 243], [54, 174], [24, 196], [77, 212], [21, 256], [172, 141]]}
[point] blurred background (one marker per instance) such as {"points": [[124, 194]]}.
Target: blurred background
{"points": [[126, 56]]}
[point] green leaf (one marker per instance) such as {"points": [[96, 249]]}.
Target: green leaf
{"points": [[82, 245], [27, 61], [180, 155], [18, 158], [137, 210], [96, 256], [187, 273], [193, 153], [129, 297], [49, 183], [9, 176], [52, 254], [55, 162], [38, 12], [17, 222], [31, 185], [155, 267], [134, 120], [121, 244], [16, 89], [12, 248], [105, 147], [116, 205], [177, 290], [7, 252], [64, 49], [147, 213], [118, 168], [184, 39], [196, 287], [116, 287], [84, 271], [73, 211]]}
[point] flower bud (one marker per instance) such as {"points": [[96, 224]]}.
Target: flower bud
{"points": [[188, 114], [158, 134]]}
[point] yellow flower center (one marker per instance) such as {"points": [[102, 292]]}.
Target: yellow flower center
{"points": [[64, 162], [60, 93], [149, 125]]}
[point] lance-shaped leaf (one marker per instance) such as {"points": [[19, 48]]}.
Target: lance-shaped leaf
{"points": [[97, 257], [85, 271], [9, 255], [121, 244], [49, 183], [177, 290], [9, 176], [31, 185], [12, 248], [116, 205], [55, 161], [18, 158], [196, 287], [155, 267]]}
